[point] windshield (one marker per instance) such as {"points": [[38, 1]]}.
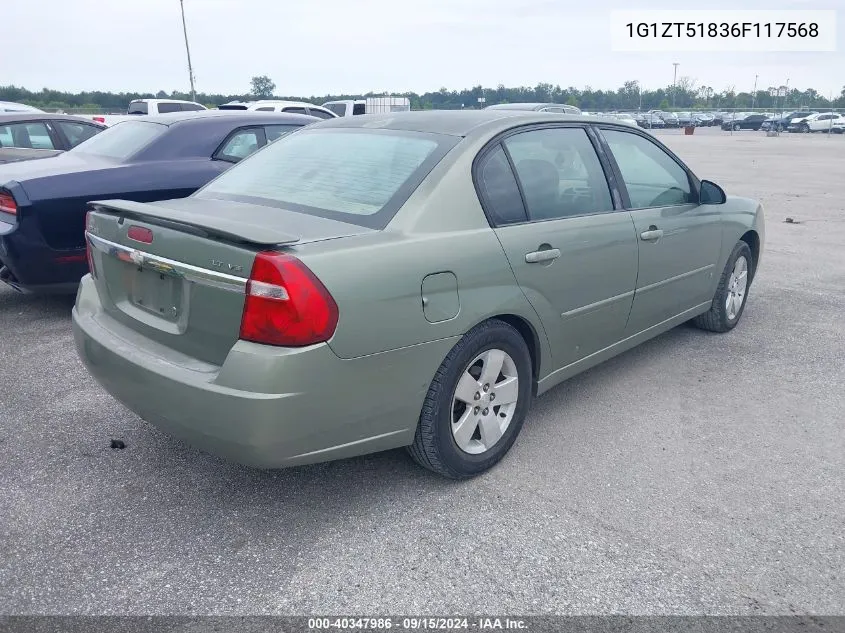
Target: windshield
{"points": [[122, 140], [354, 175]]}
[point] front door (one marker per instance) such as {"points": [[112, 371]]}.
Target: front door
{"points": [[573, 254], [679, 240]]}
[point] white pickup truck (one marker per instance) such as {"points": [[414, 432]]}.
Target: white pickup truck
{"points": [[142, 107], [370, 105]]}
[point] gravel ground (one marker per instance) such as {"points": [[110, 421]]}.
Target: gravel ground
{"points": [[695, 474]]}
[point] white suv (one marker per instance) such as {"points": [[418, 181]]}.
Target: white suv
{"points": [[819, 122], [274, 105]]}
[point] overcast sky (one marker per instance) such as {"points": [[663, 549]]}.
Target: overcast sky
{"points": [[318, 47]]}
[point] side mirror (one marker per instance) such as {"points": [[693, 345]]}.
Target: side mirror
{"points": [[711, 193]]}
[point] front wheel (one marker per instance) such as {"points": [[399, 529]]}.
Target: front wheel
{"points": [[737, 128], [779, 127], [805, 128], [731, 293], [476, 404]]}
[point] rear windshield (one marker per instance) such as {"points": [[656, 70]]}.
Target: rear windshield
{"points": [[353, 175], [122, 140]]}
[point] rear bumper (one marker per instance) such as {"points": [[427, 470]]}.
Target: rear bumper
{"points": [[30, 265], [266, 407]]}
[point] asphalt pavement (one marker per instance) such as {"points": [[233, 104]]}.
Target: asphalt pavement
{"points": [[698, 473]]}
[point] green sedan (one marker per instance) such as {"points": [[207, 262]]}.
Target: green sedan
{"points": [[407, 279]]}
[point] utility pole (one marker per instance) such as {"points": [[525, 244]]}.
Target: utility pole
{"points": [[675, 84], [188, 50]]}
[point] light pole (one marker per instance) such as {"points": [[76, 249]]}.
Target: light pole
{"points": [[754, 93], [675, 84], [188, 50]]}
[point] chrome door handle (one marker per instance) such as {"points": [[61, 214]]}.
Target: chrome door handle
{"points": [[653, 234], [542, 256]]}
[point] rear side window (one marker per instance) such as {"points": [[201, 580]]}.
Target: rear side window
{"points": [[295, 110], [240, 145], [559, 172], [265, 109], [359, 108], [77, 132], [360, 176], [498, 189], [122, 140], [277, 131], [138, 107], [166, 108], [191, 107], [26, 135], [322, 114]]}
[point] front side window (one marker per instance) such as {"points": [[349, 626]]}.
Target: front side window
{"points": [[295, 110], [360, 176], [559, 172], [338, 108], [191, 107], [653, 178], [240, 145], [26, 135], [77, 132]]}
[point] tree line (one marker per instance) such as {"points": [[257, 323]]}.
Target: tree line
{"points": [[684, 95]]}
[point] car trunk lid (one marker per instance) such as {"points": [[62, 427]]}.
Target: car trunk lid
{"points": [[177, 271]]}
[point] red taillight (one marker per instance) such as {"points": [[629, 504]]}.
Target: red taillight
{"points": [[140, 234], [99, 119], [7, 203], [286, 304]]}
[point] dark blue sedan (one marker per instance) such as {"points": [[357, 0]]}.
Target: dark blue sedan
{"points": [[43, 202]]}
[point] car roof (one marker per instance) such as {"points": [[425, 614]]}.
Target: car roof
{"points": [[246, 117], [455, 122], [9, 117]]}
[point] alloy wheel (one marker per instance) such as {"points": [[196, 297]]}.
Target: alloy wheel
{"points": [[737, 287], [484, 401]]}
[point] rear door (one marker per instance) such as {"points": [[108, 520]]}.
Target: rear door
{"points": [[573, 251], [679, 240]]}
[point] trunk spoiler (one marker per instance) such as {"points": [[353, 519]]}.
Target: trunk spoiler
{"points": [[239, 228]]}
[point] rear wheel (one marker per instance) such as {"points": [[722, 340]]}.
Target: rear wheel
{"points": [[805, 128], [476, 404], [737, 127], [779, 127], [731, 294]]}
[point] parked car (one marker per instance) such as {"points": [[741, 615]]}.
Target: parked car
{"points": [[685, 119], [43, 202], [817, 122], [670, 119], [31, 135], [226, 317], [370, 105], [703, 119], [745, 122], [149, 107], [557, 108], [270, 105], [626, 117], [650, 120], [11, 106], [781, 122]]}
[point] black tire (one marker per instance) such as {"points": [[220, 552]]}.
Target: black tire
{"points": [[716, 319], [737, 127], [779, 128], [805, 128], [434, 445]]}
